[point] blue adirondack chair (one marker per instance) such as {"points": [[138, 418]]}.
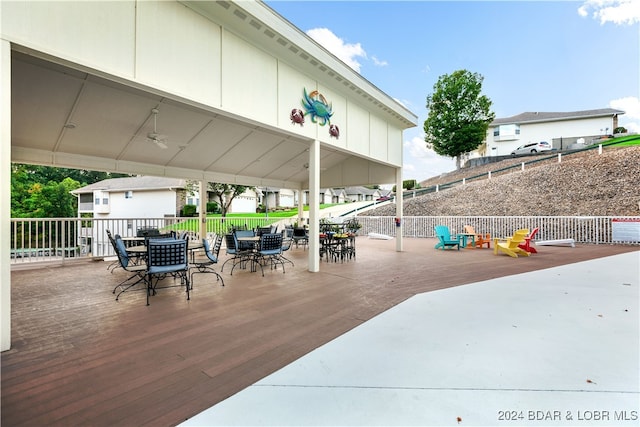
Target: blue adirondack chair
{"points": [[444, 238]]}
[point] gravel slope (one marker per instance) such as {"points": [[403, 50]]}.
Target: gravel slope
{"points": [[586, 184]]}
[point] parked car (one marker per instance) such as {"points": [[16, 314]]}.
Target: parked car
{"points": [[383, 198], [534, 147]]}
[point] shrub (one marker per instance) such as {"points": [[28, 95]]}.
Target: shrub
{"points": [[213, 208], [189, 210], [620, 129]]}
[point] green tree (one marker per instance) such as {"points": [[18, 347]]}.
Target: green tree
{"points": [[459, 115], [35, 190], [225, 193], [52, 200]]}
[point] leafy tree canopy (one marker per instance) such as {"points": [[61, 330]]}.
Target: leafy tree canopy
{"points": [[459, 115], [225, 193], [43, 191]]}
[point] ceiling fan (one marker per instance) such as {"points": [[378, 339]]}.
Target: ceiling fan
{"points": [[154, 136]]}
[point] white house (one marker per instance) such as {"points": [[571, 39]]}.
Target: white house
{"points": [[361, 194], [246, 202], [272, 197], [134, 197], [560, 129]]}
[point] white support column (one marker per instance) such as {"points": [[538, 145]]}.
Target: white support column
{"points": [[314, 206], [5, 195], [203, 210], [300, 206], [399, 203]]}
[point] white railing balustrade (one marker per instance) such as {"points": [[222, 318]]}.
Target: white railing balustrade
{"points": [[59, 239]]}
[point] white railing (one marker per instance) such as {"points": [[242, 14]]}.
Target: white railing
{"points": [[58, 239], [583, 229]]}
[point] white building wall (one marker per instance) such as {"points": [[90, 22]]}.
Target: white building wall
{"points": [[220, 64], [142, 204], [246, 202], [287, 198], [548, 131]]}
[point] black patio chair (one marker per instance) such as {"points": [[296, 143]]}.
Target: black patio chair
{"points": [[269, 252], [263, 230], [167, 257], [139, 270], [169, 235], [115, 264], [237, 254], [300, 237], [287, 241], [204, 264]]}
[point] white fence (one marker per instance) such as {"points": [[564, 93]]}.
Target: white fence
{"points": [[583, 229], [58, 239]]}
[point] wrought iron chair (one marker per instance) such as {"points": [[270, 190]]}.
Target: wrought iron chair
{"points": [[139, 270], [300, 236], [269, 252], [166, 257], [115, 264], [287, 241], [238, 254], [169, 235], [203, 264], [263, 230]]}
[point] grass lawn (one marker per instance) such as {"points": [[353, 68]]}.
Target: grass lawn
{"points": [[623, 141], [240, 220]]}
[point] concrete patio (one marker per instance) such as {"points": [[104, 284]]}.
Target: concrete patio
{"points": [[551, 347]]}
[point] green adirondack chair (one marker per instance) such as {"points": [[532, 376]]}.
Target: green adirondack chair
{"points": [[445, 241]]}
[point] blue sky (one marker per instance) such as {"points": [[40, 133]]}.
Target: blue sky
{"points": [[534, 56]]}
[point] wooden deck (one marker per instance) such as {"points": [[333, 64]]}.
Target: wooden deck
{"points": [[79, 358]]}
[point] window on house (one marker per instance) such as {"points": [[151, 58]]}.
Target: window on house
{"points": [[97, 202], [105, 201], [128, 194]]}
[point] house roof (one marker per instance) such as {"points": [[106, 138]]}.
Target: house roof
{"points": [[360, 190], [538, 116], [133, 183]]}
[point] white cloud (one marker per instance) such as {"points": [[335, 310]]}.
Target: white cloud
{"points": [[421, 163], [631, 117], [618, 12], [379, 62], [346, 52]]}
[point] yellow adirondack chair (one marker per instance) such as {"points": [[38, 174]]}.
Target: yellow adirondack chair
{"points": [[510, 245]]}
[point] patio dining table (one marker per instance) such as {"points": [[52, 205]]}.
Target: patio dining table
{"points": [[140, 251], [336, 245]]}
